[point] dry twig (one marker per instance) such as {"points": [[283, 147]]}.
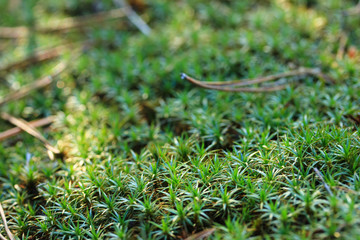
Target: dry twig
{"points": [[25, 126], [37, 123], [8, 232], [233, 86]]}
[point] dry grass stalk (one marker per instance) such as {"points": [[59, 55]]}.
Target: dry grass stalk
{"points": [[65, 25], [233, 86], [25, 126], [8, 232], [36, 123]]}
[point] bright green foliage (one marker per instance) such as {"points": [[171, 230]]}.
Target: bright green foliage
{"points": [[149, 156]]}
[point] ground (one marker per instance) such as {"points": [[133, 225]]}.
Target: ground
{"points": [[147, 155]]}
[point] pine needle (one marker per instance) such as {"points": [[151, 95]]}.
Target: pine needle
{"points": [[134, 17], [36, 123], [25, 126], [323, 181], [8, 232], [36, 57], [230, 89], [40, 83], [354, 10], [44, 81], [65, 25], [201, 235], [233, 86]]}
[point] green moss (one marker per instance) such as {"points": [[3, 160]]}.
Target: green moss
{"points": [[149, 156]]}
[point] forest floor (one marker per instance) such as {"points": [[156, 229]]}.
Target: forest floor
{"points": [[125, 148]]}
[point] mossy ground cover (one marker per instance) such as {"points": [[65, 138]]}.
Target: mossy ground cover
{"points": [[147, 155]]}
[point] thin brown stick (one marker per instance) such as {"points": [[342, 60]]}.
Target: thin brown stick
{"points": [[8, 232], [229, 89], [65, 25], [25, 126], [262, 79], [36, 123], [36, 57], [27, 89]]}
